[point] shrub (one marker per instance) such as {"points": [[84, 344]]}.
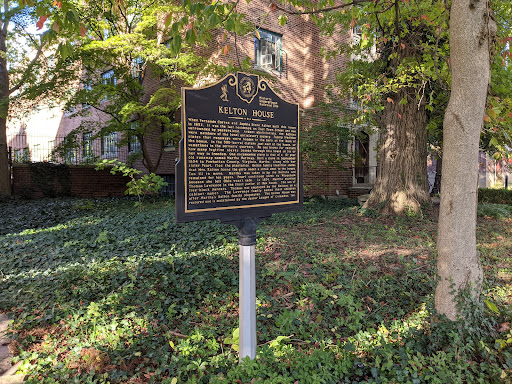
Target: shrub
{"points": [[495, 196], [138, 186], [496, 211]]}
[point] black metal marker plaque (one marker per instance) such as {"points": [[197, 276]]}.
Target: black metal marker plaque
{"points": [[239, 155]]}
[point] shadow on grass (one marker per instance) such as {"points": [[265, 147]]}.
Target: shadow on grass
{"points": [[339, 296]]}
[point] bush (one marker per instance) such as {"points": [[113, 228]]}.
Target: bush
{"points": [[495, 196], [496, 211]]}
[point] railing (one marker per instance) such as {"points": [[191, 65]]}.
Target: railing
{"points": [[25, 148]]}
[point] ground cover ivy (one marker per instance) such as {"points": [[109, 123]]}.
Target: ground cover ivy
{"points": [[103, 293]]}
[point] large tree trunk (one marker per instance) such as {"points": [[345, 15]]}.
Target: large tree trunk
{"points": [[5, 177], [471, 34], [402, 176]]}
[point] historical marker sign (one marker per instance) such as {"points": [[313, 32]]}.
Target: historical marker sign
{"points": [[239, 155]]}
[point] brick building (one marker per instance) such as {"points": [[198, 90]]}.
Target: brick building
{"points": [[289, 54]]}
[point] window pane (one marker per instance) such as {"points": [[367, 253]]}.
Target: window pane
{"points": [[268, 51], [87, 146], [109, 78], [109, 146]]}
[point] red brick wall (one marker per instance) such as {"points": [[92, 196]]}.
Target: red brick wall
{"points": [[85, 181]]}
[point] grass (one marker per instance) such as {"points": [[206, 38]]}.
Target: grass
{"points": [[102, 293]]}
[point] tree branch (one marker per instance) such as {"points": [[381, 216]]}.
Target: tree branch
{"points": [[7, 19], [27, 72], [293, 12], [108, 113]]}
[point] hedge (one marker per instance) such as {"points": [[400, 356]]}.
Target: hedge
{"points": [[495, 196]]}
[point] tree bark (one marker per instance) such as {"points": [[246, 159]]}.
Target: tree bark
{"points": [[5, 177], [401, 183], [472, 32]]}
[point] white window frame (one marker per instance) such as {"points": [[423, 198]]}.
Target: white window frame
{"points": [[268, 51]]}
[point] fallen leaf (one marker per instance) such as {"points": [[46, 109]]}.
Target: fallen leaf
{"points": [[504, 327]]}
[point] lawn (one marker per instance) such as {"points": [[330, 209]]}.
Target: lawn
{"points": [[102, 293]]}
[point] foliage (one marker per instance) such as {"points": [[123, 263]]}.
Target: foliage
{"points": [[102, 293], [47, 176], [395, 47], [496, 137], [497, 211], [138, 186], [134, 56], [495, 196]]}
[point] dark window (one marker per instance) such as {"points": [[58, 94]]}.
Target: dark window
{"points": [[168, 190], [268, 51], [362, 158]]}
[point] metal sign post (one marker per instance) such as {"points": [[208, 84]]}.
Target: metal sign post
{"points": [[247, 289]]}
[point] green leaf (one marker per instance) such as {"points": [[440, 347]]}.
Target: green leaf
{"points": [[491, 306]]}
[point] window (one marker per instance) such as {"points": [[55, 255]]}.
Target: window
{"points": [[167, 138], [109, 78], [134, 143], [268, 51], [36, 152], [87, 141], [169, 69], [17, 156], [69, 150], [51, 147], [109, 146], [136, 68], [21, 155], [70, 110], [87, 88], [168, 190], [362, 158]]}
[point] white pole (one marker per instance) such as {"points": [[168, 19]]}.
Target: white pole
{"points": [[247, 303]]}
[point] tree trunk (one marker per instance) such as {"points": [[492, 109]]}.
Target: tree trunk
{"points": [[471, 35], [401, 183], [5, 176]]}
